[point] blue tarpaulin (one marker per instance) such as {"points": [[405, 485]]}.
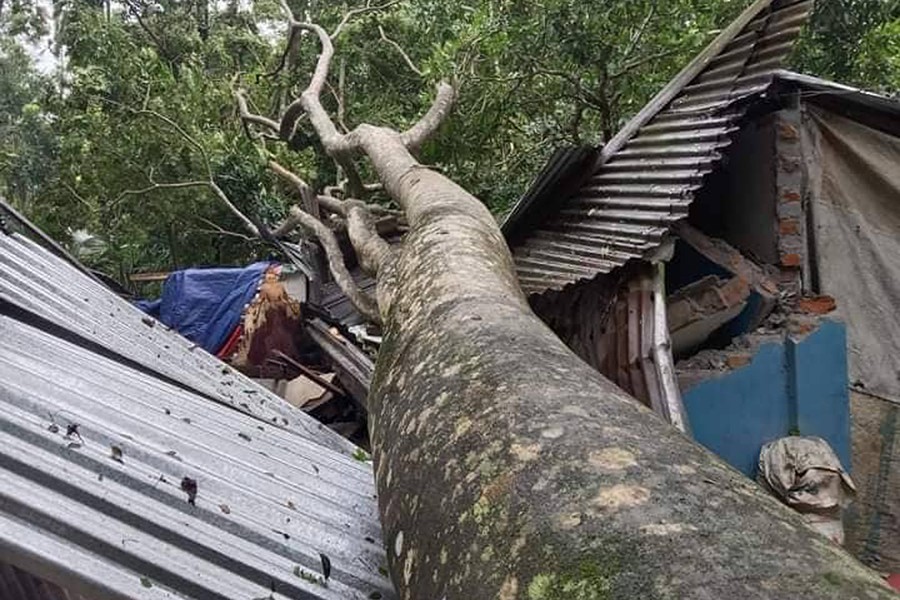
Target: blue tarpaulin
{"points": [[205, 305]]}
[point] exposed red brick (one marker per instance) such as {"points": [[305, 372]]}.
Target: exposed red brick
{"points": [[789, 226], [817, 305], [736, 361], [791, 260], [790, 196], [788, 132]]}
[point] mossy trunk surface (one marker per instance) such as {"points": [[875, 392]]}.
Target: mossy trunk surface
{"points": [[508, 468]]}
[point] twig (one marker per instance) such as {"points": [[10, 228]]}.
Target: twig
{"points": [[358, 11], [190, 140], [636, 38], [212, 185], [642, 61], [216, 229], [401, 51], [77, 196], [160, 186]]}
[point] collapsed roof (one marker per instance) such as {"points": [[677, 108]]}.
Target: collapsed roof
{"points": [[619, 204]]}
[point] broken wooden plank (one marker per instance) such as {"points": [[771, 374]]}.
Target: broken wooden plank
{"points": [[318, 379], [662, 355]]}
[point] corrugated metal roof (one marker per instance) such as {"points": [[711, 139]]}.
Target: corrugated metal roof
{"points": [[874, 110], [95, 446], [646, 176], [34, 280], [338, 306]]}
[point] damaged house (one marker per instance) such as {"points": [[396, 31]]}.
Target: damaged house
{"points": [[732, 259]]}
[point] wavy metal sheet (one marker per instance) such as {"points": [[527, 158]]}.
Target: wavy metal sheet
{"points": [[647, 182], [95, 446], [43, 284]]}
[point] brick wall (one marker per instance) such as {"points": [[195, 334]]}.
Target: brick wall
{"points": [[790, 190]]}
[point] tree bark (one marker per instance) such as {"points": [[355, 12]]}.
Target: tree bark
{"points": [[508, 468]]}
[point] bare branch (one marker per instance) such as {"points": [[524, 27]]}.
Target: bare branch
{"points": [[415, 136], [636, 37], [184, 134], [210, 182], [335, 143], [307, 194], [401, 51], [371, 249], [340, 107], [248, 224], [77, 196], [638, 62], [160, 186], [217, 230], [247, 117], [357, 11], [327, 200], [220, 194], [364, 303]]}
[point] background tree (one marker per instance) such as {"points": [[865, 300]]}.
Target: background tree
{"points": [[854, 42], [178, 59], [532, 76]]}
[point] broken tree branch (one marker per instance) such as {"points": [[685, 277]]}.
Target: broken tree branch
{"points": [[250, 118], [328, 201], [364, 303], [370, 247]]}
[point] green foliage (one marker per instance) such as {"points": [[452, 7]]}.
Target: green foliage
{"points": [[854, 42], [877, 64], [533, 74]]}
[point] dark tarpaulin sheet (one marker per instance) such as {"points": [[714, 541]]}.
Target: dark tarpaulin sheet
{"points": [[854, 193], [205, 305]]}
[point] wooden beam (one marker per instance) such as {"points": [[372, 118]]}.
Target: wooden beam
{"points": [[144, 277]]}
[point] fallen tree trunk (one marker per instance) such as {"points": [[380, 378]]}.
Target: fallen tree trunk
{"points": [[507, 467]]}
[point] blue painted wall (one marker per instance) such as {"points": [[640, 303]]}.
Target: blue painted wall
{"points": [[788, 387]]}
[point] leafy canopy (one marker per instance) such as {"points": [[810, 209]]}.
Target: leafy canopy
{"points": [[142, 95]]}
